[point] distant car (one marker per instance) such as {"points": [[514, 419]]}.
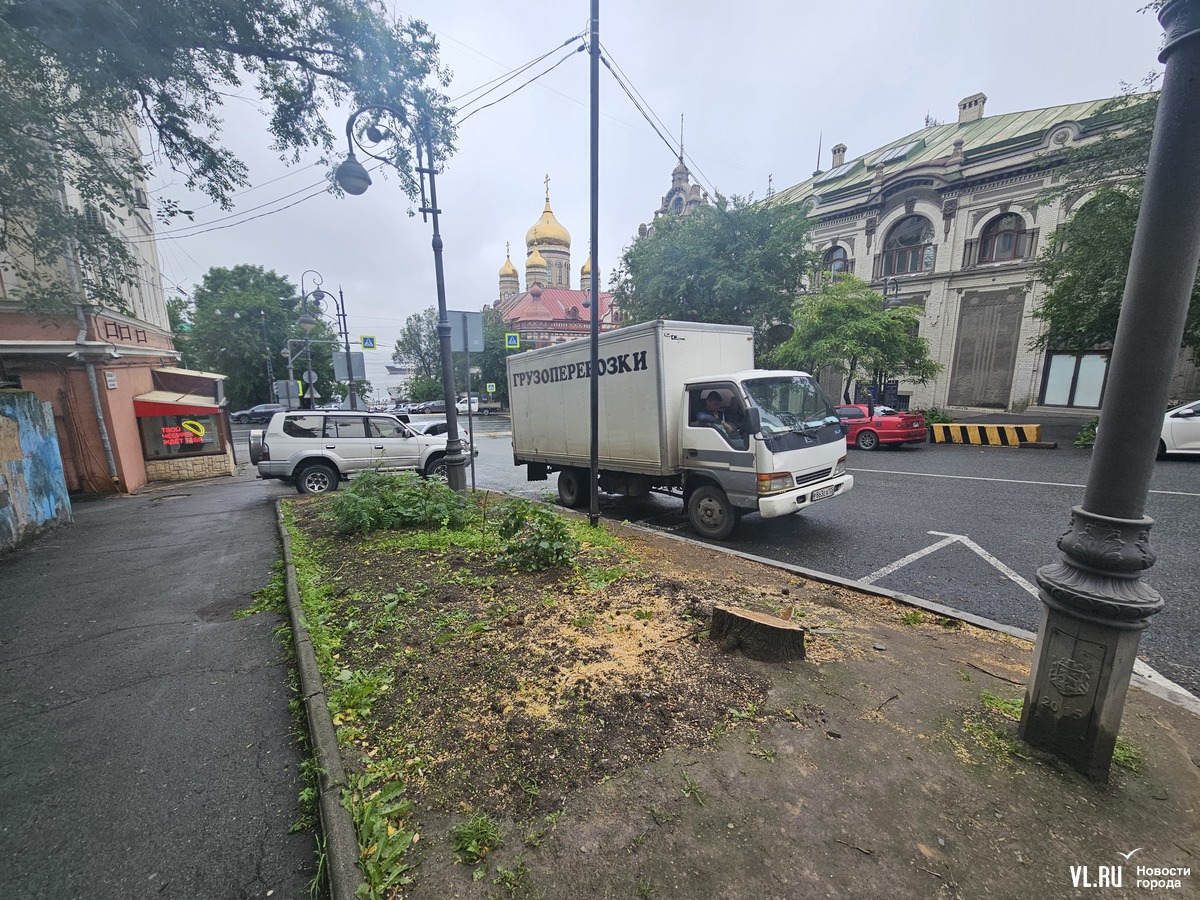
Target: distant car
{"points": [[257, 414], [461, 405], [440, 427], [429, 406], [888, 426], [1181, 430]]}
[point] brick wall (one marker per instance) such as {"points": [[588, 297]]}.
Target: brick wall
{"points": [[190, 467]]}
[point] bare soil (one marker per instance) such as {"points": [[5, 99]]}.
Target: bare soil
{"points": [[625, 755]]}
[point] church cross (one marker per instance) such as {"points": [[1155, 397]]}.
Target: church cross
{"points": [[547, 187]]}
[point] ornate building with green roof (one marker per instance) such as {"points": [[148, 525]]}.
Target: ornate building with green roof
{"points": [[947, 218]]}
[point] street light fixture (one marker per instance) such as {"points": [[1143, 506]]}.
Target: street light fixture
{"points": [[353, 178], [317, 299]]}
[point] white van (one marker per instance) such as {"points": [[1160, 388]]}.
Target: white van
{"points": [[461, 405]]}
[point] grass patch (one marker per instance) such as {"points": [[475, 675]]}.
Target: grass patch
{"points": [[1128, 756], [1009, 707], [475, 838]]}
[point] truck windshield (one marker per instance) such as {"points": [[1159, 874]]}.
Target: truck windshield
{"points": [[790, 403]]}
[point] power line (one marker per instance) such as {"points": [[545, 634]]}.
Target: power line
{"points": [[508, 76], [520, 87]]}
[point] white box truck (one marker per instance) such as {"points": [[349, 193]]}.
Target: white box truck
{"points": [[681, 410]]}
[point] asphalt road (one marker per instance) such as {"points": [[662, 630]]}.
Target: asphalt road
{"points": [[963, 526]]}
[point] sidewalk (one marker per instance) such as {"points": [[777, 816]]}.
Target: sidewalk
{"points": [[146, 746]]}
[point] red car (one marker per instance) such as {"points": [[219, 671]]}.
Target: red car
{"points": [[887, 426]]}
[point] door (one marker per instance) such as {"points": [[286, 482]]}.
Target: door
{"points": [[393, 445], [346, 440]]}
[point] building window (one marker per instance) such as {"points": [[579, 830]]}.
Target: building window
{"points": [[1004, 238], [836, 261], [1075, 380], [909, 247], [187, 435]]}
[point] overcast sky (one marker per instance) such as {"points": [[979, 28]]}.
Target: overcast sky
{"points": [[761, 85]]}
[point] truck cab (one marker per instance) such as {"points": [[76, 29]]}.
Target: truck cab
{"points": [[758, 441]]}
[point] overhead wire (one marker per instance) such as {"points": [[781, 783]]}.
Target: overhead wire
{"points": [[501, 80], [564, 58]]}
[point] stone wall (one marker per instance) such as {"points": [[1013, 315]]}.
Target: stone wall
{"points": [[186, 468]]}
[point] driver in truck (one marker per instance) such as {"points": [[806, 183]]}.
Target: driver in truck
{"points": [[714, 415]]}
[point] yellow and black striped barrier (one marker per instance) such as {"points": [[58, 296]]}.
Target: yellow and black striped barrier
{"points": [[988, 435]]}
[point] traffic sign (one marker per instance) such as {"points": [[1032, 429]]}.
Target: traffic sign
{"points": [[512, 340], [367, 341], [491, 387]]}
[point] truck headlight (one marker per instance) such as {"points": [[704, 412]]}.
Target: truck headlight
{"points": [[840, 468], [774, 482]]}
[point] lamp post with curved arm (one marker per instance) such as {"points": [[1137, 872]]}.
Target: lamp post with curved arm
{"points": [[317, 298], [353, 178]]}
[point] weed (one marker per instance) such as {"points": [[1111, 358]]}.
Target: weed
{"points": [[644, 614], [582, 622], [691, 788], [531, 791], [306, 814], [599, 577], [375, 501], [746, 714], [1128, 756], [767, 753], [964, 674], [270, 598], [475, 838], [511, 879], [536, 537], [316, 887], [661, 817], [1087, 434], [353, 693], [1009, 707], [913, 617], [644, 888], [379, 815]]}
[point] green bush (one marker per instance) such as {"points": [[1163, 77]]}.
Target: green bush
{"points": [[535, 536], [1087, 434], [374, 501], [934, 416]]}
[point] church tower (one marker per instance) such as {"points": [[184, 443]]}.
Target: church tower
{"points": [[510, 278], [551, 243]]}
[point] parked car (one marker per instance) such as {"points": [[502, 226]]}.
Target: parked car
{"points": [[257, 414], [887, 426], [442, 427], [429, 406], [317, 449], [1181, 430], [461, 405]]}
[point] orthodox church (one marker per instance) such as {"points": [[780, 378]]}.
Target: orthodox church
{"points": [[549, 311]]}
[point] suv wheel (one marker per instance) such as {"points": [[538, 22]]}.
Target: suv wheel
{"points": [[316, 478], [436, 468]]}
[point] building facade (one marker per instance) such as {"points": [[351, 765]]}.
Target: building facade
{"points": [[123, 411], [949, 219]]}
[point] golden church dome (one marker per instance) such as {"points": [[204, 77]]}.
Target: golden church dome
{"points": [[587, 267], [548, 231], [508, 270], [535, 260]]}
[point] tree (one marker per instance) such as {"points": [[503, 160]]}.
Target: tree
{"points": [[1086, 260], [242, 317], [418, 347], [491, 364], [736, 263], [847, 327], [81, 75]]}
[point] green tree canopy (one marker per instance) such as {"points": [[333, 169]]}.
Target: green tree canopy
{"points": [[78, 76], [734, 263], [242, 317], [846, 327], [418, 347], [1086, 260]]}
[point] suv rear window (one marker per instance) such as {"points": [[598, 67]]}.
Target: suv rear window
{"points": [[339, 427], [303, 426]]}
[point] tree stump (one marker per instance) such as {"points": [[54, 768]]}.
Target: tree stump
{"points": [[757, 635]]}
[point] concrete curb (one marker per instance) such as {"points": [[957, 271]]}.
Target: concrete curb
{"points": [[1144, 677], [341, 837]]}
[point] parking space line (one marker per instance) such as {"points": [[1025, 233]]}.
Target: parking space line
{"points": [[1061, 484], [946, 540]]}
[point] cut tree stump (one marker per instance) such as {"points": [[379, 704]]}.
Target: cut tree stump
{"points": [[757, 635]]}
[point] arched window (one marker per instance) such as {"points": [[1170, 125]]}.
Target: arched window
{"points": [[909, 247], [836, 261], [1004, 238]]}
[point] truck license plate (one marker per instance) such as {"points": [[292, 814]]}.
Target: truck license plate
{"points": [[823, 493]]}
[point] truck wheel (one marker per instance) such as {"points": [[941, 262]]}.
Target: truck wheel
{"points": [[256, 442], [572, 488], [436, 468], [711, 513], [316, 478], [867, 440]]}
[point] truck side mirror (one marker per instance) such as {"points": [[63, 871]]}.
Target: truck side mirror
{"points": [[753, 420]]}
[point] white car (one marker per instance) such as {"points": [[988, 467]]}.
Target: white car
{"points": [[1181, 430], [316, 449], [461, 405], [439, 427]]}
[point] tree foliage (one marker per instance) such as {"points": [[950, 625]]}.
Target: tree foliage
{"points": [[736, 262], [1086, 260], [846, 327], [418, 347], [78, 76], [237, 320]]}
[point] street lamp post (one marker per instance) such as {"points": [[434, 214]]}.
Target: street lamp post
{"points": [[317, 298], [353, 178]]}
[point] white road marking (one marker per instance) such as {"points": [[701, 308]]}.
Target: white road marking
{"points": [[948, 539], [1008, 481]]}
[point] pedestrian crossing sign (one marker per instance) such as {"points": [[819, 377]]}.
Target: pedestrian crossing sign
{"points": [[512, 340], [367, 341]]}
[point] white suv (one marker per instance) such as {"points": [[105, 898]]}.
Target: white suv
{"points": [[315, 449]]}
